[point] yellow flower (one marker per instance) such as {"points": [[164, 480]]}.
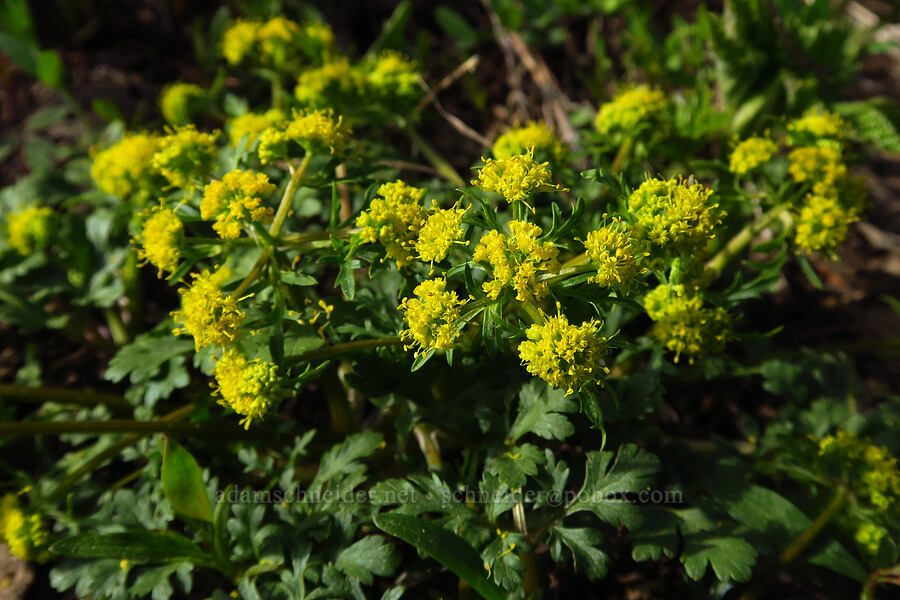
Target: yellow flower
{"points": [[178, 102], [24, 534], [185, 155], [630, 107], [252, 124], [440, 231], [394, 220], [819, 127], [817, 165], [207, 314], [248, 387], [160, 237], [683, 324], [675, 215], [277, 37], [30, 229], [751, 153], [235, 200], [871, 470], [432, 317], [613, 250], [515, 178], [822, 223], [515, 261], [868, 537], [239, 40], [565, 356], [391, 77], [317, 132], [334, 83], [125, 167], [536, 134]]}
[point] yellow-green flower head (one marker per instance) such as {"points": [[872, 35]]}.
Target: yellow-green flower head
{"points": [[822, 167], [439, 232], [615, 253], [239, 40], [391, 77], [179, 101], [537, 135], [751, 153], [565, 356], [30, 229], [159, 242], [237, 199], [207, 314], [248, 387], [817, 127], [516, 260], [252, 124], [432, 316], [675, 215], [515, 178], [683, 324], [394, 220], [871, 470], [278, 37], [125, 167], [630, 108], [185, 155], [868, 537], [316, 131], [822, 223], [335, 83], [23, 533]]}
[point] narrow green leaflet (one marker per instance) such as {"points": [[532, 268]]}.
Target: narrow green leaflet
{"points": [[370, 555], [445, 547], [539, 412], [182, 481], [135, 546], [341, 458]]}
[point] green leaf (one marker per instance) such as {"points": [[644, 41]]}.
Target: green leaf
{"points": [[731, 558], [136, 546], [182, 481], [444, 546], [583, 542], [295, 278], [346, 279], [341, 458], [810, 273], [143, 358], [370, 555], [606, 480], [456, 27], [48, 69], [870, 124], [658, 536], [539, 413], [106, 110], [392, 30], [513, 464]]}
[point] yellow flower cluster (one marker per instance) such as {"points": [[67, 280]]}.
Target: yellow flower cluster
{"points": [[615, 253], [515, 261], [432, 316], [630, 108], [817, 165], [535, 134], [207, 314], [335, 82], [317, 131], [751, 153], [515, 178], [274, 42], [239, 40], [873, 472], [673, 214], [30, 229], [160, 237], [277, 37], [125, 167], [236, 199], [249, 387], [819, 127], [178, 102], [390, 76], [24, 534], [683, 324], [822, 223], [565, 356], [440, 231], [252, 124], [869, 536], [185, 155], [394, 220]]}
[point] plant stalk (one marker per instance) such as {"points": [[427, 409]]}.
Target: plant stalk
{"points": [[744, 237], [437, 161]]}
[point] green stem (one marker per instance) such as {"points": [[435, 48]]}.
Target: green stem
{"points": [[345, 348], [264, 257], [740, 241], [62, 395], [122, 426], [426, 435], [437, 161], [814, 528], [285, 206], [343, 418], [621, 155], [117, 328], [111, 452]]}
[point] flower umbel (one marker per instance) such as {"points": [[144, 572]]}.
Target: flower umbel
{"points": [[394, 220], [675, 215], [185, 155], [683, 324], [432, 316], [249, 387], [822, 223], [516, 259], [817, 127], [751, 153], [565, 356], [535, 134], [630, 108], [614, 252], [317, 132], [24, 534], [236, 199], [872, 472], [515, 178], [125, 167], [160, 237], [252, 124], [439, 232], [239, 40], [179, 101], [335, 83], [30, 229], [207, 314]]}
